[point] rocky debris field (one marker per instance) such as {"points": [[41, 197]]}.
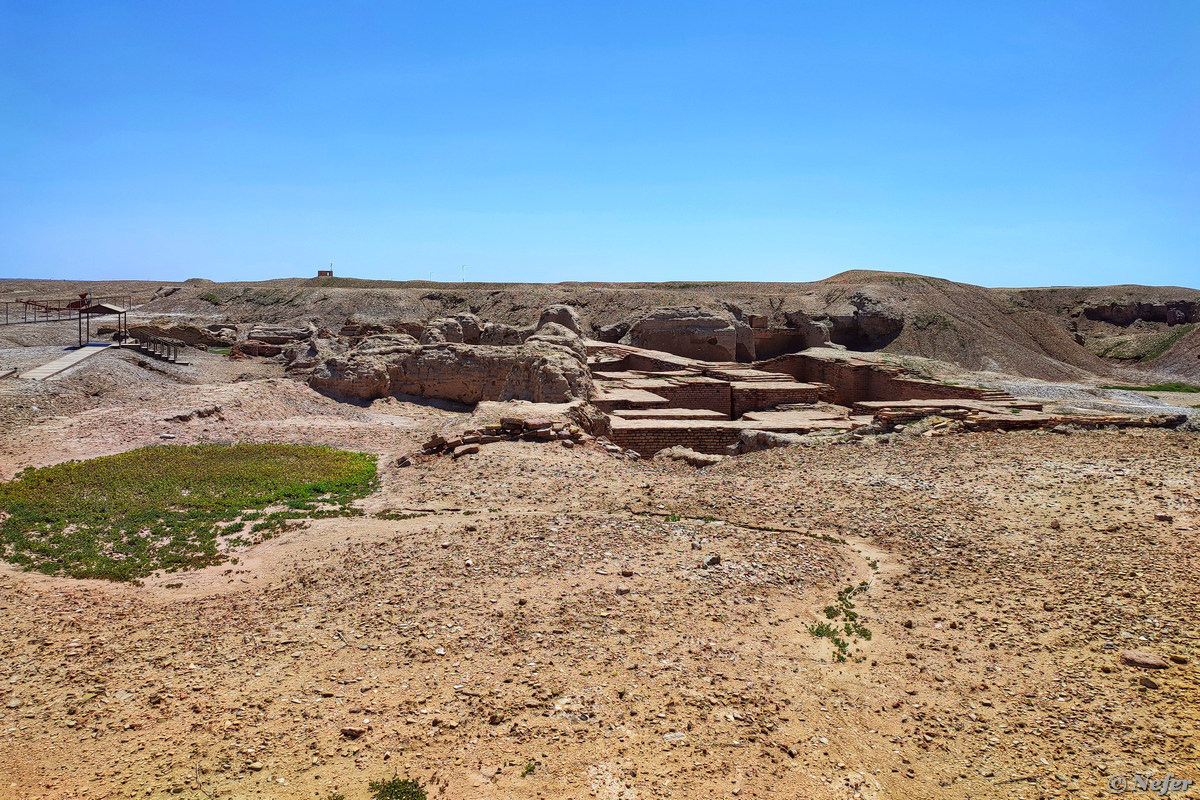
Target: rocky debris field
{"points": [[527, 610], [536, 620]]}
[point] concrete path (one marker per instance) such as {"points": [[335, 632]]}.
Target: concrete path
{"points": [[59, 364]]}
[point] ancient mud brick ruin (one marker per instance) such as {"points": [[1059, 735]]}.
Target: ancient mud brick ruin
{"points": [[854, 379], [677, 377], [657, 400]]}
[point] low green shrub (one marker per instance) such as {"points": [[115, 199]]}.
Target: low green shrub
{"points": [[397, 789], [126, 516], [1159, 387]]}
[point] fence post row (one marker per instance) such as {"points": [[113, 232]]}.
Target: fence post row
{"points": [[48, 310]]}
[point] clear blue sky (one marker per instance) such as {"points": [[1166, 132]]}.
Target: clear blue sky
{"points": [[1001, 143]]}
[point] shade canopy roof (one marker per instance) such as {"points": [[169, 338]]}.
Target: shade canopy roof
{"points": [[102, 308]]}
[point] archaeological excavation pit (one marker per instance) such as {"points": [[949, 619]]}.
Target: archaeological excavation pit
{"points": [[657, 400]]}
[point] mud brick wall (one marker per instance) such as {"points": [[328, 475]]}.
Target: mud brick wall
{"points": [[852, 382], [648, 441], [909, 389], [779, 341], [706, 393], [760, 397], [648, 363], [849, 382], [607, 364], [610, 405]]}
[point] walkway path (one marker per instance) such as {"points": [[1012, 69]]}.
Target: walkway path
{"points": [[59, 364]]}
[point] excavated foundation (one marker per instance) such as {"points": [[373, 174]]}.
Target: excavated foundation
{"points": [[657, 400]]}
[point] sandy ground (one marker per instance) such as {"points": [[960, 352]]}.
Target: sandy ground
{"points": [[547, 627]]}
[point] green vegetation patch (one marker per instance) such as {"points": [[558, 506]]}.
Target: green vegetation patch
{"points": [[171, 507], [399, 514], [932, 321], [269, 297], [397, 789], [1159, 387], [851, 625], [1139, 347], [1167, 342]]}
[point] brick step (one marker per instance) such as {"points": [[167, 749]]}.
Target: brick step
{"points": [[669, 413], [648, 436]]}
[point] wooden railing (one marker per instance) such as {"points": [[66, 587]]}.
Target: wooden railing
{"points": [[42, 309], [164, 349]]}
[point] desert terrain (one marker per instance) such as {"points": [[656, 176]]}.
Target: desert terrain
{"points": [[555, 614]]}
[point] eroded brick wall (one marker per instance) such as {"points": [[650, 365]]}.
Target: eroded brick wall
{"points": [[850, 382], [648, 441], [705, 393], [855, 382], [649, 363], [779, 341], [760, 397], [908, 389]]}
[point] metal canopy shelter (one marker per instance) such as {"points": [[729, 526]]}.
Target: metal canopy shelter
{"points": [[102, 309], [48, 309]]}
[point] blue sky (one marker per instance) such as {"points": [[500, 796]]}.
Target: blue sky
{"points": [[1008, 143]]}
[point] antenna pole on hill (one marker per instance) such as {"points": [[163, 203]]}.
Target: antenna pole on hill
{"points": [[464, 273]]}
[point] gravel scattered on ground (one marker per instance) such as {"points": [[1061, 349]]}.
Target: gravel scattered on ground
{"points": [[562, 608]]}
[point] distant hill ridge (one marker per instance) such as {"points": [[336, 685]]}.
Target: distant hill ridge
{"points": [[1054, 333]]}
